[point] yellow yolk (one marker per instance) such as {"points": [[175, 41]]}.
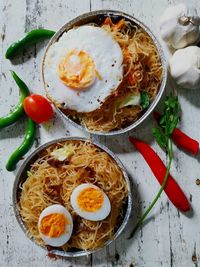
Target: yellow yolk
{"points": [[53, 225], [77, 70], [90, 199]]}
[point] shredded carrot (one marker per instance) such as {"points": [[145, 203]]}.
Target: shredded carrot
{"points": [[112, 25]]}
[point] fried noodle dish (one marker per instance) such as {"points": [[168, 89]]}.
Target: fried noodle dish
{"points": [[50, 181], [142, 73]]}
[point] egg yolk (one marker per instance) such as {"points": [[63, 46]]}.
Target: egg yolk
{"points": [[53, 225], [77, 70], [90, 199]]}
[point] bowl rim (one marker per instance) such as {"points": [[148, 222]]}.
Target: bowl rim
{"points": [[108, 12], [17, 183]]}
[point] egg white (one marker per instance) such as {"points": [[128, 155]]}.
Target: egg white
{"points": [[61, 240], [97, 215], [107, 56]]}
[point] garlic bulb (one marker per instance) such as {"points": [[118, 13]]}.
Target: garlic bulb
{"points": [[179, 26], [185, 67]]}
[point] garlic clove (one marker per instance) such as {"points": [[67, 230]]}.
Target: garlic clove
{"points": [[179, 26], [185, 67]]}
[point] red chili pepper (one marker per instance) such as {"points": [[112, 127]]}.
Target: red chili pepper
{"points": [[181, 139], [172, 189]]}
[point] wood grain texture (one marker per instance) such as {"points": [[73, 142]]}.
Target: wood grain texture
{"points": [[168, 238]]}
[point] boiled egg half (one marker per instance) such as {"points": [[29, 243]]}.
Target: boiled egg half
{"points": [[55, 225], [90, 202]]}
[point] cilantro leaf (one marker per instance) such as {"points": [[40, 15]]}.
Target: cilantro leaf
{"points": [[168, 121], [160, 137], [145, 100]]}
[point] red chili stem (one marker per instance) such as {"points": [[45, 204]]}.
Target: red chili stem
{"points": [[172, 189], [181, 139]]}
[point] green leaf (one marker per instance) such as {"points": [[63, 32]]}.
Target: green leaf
{"points": [[160, 137], [145, 100], [172, 102], [29, 173], [130, 100], [173, 124], [168, 120]]}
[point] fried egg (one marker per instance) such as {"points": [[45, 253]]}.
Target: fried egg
{"points": [[90, 202], [55, 225], [83, 68]]}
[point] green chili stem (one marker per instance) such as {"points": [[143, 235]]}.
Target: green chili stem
{"points": [[141, 220]]}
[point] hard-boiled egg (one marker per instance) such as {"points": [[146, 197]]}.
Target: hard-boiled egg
{"points": [[90, 202], [83, 68], [55, 225]]}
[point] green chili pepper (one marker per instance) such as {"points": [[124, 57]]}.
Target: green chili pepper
{"points": [[24, 147], [30, 38], [18, 111]]}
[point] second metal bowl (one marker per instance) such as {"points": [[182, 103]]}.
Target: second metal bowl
{"points": [[22, 175]]}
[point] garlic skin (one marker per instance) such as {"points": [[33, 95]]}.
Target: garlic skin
{"points": [[185, 67], [179, 26]]}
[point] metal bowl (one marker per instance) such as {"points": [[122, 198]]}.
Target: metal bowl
{"points": [[98, 17], [22, 175]]}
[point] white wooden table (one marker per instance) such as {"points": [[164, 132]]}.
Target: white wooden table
{"points": [[169, 238]]}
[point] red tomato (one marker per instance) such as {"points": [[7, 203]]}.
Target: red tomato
{"points": [[38, 108]]}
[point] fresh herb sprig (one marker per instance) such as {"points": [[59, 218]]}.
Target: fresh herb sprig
{"points": [[167, 123], [145, 100], [162, 134]]}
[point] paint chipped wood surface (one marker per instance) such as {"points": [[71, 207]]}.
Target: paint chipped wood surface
{"points": [[168, 238]]}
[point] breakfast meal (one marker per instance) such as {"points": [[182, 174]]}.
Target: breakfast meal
{"points": [[103, 76], [73, 196]]}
